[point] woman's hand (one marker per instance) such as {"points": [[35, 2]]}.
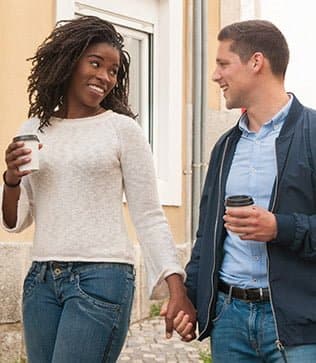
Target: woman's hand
{"points": [[178, 303], [15, 156], [182, 318]]}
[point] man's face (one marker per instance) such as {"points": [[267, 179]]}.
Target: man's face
{"points": [[233, 76]]}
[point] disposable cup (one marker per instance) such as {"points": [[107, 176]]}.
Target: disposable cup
{"points": [[233, 201], [30, 142], [238, 201]]}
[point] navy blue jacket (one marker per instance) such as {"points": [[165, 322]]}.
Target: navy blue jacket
{"points": [[291, 256]]}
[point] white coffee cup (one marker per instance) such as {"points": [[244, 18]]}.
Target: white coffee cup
{"points": [[30, 142]]}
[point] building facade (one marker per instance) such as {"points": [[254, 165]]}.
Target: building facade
{"points": [[172, 44]]}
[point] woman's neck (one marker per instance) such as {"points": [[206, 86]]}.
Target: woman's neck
{"points": [[73, 114]]}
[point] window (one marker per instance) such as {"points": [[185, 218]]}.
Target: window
{"points": [[138, 44], [153, 35]]}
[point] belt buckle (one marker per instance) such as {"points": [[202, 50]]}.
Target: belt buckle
{"points": [[253, 295]]}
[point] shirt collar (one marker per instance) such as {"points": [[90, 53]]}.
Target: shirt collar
{"points": [[275, 122]]}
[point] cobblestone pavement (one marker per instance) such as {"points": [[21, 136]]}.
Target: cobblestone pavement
{"points": [[146, 342]]}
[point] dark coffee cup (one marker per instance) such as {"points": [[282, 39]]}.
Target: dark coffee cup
{"points": [[234, 201], [238, 201]]}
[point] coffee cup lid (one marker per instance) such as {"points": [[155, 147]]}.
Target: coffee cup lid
{"points": [[26, 138], [238, 201]]}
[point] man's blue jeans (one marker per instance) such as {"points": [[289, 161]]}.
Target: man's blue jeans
{"points": [[76, 312], [245, 333]]}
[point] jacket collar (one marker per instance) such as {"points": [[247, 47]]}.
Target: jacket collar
{"points": [[295, 113], [283, 142]]}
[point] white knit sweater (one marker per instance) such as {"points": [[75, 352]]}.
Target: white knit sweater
{"points": [[76, 196]]}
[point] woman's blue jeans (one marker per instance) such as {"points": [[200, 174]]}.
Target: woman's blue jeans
{"points": [[245, 332], [76, 312]]}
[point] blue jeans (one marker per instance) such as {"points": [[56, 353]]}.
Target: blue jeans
{"points": [[245, 332], [76, 312]]}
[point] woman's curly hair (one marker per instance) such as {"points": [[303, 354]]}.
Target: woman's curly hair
{"points": [[56, 57]]}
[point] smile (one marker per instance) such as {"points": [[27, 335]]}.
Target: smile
{"points": [[97, 89]]}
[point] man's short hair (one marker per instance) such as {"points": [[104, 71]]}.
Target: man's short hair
{"points": [[252, 36]]}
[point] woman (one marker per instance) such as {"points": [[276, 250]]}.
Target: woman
{"points": [[78, 294]]}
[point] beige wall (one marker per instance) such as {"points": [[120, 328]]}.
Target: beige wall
{"points": [[213, 100], [221, 12], [213, 28], [23, 25]]}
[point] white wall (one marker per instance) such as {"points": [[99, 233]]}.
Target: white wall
{"points": [[296, 20]]}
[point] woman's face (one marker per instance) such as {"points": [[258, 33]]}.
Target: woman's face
{"points": [[93, 78]]}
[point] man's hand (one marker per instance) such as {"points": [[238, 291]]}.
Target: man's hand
{"points": [[254, 223]]}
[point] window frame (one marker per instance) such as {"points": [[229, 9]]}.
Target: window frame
{"points": [[144, 103]]}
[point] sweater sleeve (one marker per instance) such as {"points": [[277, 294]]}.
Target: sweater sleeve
{"points": [[151, 225], [24, 210], [25, 203]]}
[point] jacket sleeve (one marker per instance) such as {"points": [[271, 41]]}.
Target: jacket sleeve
{"points": [[192, 267], [192, 270], [298, 233]]}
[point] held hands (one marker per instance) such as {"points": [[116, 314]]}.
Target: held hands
{"points": [[255, 223], [180, 315]]}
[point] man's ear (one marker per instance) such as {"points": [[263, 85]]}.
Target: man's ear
{"points": [[257, 60]]}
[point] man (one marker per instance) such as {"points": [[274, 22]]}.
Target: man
{"points": [[252, 273]]}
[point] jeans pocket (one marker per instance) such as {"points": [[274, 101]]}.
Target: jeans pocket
{"points": [[130, 276], [130, 292], [31, 280], [94, 296], [104, 287], [221, 306]]}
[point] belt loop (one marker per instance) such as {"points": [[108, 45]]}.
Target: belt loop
{"points": [[71, 272], [261, 293], [229, 299], [42, 273]]}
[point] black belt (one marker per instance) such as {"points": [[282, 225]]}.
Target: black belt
{"points": [[251, 295]]}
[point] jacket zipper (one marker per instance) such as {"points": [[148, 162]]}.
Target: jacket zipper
{"points": [[278, 342], [215, 234]]}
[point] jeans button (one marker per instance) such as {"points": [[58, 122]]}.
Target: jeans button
{"points": [[57, 271]]}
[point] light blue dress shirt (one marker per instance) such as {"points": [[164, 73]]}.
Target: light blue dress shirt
{"points": [[252, 173]]}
